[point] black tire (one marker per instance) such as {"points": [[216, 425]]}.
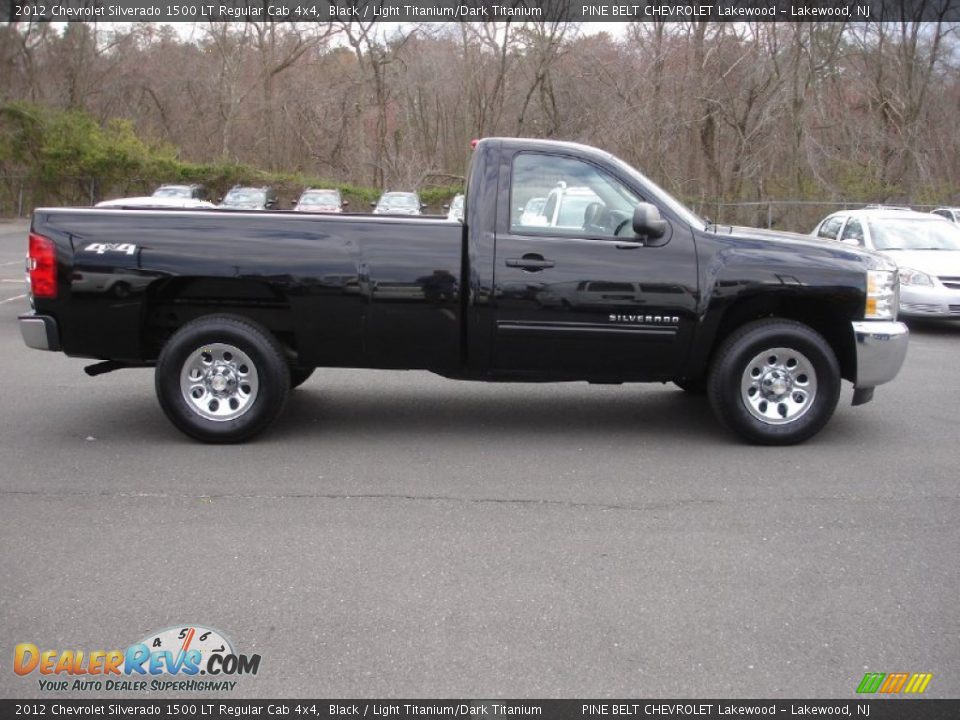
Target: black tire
{"points": [[742, 374], [692, 386], [299, 375], [270, 375]]}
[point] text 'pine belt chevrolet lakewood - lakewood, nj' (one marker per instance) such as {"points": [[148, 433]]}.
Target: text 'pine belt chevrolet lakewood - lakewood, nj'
{"points": [[604, 277]]}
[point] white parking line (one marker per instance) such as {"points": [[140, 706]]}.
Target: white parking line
{"points": [[12, 262], [15, 297]]}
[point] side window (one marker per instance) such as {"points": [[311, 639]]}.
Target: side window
{"points": [[830, 228], [853, 231], [577, 198]]}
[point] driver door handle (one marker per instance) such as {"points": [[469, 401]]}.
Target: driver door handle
{"points": [[531, 262]]}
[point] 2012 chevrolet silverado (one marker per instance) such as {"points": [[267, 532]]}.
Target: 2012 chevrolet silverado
{"points": [[621, 284]]}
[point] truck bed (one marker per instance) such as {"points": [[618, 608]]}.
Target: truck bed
{"points": [[344, 290]]}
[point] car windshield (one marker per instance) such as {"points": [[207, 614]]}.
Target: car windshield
{"points": [[320, 197], [244, 196], [399, 200], [914, 234], [174, 191]]}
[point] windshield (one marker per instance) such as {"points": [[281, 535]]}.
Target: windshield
{"points": [[174, 191], [914, 234], [662, 196], [399, 200], [244, 196], [320, 197]]}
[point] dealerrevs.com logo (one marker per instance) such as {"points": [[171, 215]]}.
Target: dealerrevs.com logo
{"points": [[169, 660]]}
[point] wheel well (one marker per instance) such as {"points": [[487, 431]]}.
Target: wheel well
{"points": [[827, 317], [173, 302]]}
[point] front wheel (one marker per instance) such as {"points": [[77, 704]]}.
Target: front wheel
{"points": [[222, 379], [774, 382]]}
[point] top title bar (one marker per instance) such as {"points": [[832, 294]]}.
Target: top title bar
{"points": [[478, 10]]}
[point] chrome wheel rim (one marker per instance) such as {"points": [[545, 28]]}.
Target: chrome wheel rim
{"points": [[778, 386], [219, 382]]}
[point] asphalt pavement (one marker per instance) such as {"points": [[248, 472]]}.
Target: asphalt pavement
{"points": [[397, 534]]}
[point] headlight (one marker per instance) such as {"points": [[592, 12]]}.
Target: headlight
{"points": [[882, 292], [909, 276]]}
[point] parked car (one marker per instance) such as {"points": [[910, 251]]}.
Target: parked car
{"points": [[249, 198], [564, 207], [925, 247], [246, 305], [455, 208], [950, 213], [152, 201], [194, 191], [531, 212], [316, 200], [398, 203]]}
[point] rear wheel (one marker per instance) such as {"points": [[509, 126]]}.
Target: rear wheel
{"points": [[222, 379], [774, 382]]}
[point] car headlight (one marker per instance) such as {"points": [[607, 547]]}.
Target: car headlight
{"points": [[909, 276], [882, 295]]}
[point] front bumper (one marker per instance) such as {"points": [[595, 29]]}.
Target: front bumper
{"points": [[881, 350], [39, 332], [929, 302]]}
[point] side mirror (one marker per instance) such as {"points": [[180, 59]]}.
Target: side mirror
{"points": [[423, 206], [647, 221], [373, 204], [446, 207], [345, 203]]}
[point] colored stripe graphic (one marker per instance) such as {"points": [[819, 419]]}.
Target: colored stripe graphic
{"points": [[870, 683], [918, 682], [894, 683], [913, 683]]}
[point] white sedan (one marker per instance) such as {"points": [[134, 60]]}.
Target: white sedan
{"points": [[155, 202], [925, 247]]}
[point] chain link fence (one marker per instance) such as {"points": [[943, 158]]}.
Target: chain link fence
{"points": [[20, 194], [792, 215]]}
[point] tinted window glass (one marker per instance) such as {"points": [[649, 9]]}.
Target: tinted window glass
{"points": [[581, 200], [830, 228], [853, 230]]}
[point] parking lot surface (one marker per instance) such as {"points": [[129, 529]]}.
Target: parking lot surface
{"points": [[398, 534]]}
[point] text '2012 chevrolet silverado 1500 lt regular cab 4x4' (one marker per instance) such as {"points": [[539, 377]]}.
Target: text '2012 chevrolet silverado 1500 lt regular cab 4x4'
{"points": [[235, 308]]}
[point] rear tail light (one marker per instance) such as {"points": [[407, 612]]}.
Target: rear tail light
{"points": [[42, 267]]}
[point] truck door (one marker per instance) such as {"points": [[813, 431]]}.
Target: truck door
{"points": [[578, 294]]}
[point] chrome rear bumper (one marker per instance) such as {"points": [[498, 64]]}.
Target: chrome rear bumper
{"points": [[39, 332]]}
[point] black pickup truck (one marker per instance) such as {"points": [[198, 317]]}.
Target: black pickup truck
{"points": [[615, 281]]}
